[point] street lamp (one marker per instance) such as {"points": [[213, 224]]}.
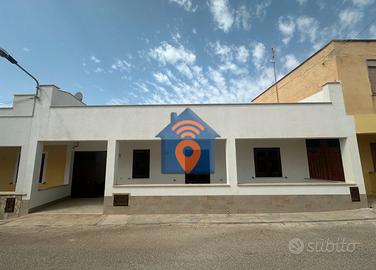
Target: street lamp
{"points": [[6, 55]]}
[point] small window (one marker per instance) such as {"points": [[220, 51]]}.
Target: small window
{"points": [[268, 162], [141, 164], [42, 169], [372, 78]]}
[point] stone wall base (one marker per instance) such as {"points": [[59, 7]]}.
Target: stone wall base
{"points": [[20, 207], [233, 204]]}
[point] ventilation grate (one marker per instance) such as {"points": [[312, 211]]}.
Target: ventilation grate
{"points": [[10, 204], [121, 200], [354, 191]]}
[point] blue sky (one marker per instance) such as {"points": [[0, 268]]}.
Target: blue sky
{"points": [[168, 51]]}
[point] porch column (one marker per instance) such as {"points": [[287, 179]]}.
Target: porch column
{"points": [[111, 165], [351, 162], [232, 174], [30, 162]]}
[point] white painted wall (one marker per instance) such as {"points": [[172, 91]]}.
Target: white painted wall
{"points": [[23, 106], [144, 122], [125, 161], [293, 159], [322, 96]]}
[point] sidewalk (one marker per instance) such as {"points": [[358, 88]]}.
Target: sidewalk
{"points": [[37, 219]]}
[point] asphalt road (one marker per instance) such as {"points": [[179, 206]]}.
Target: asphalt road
{"points": [[336, 245]]}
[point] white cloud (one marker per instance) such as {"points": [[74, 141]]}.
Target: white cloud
{"points": [[223, 51], [217, 78], [362, 3], [230, 53], [222, 15], [121, 65], [243, 18], [161, 78], [321, 4], [25, 49], [194, 31], [233, 68], [166, 53], [262, 7], [99, 70], [258, 54], [186, 4], [290, 61], [142, 86], [118, 101], [302, 2], [308, 28], [95, 59], [184, 69], [242, 54], [349, 17], [286, 26]]}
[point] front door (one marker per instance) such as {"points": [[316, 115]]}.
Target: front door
{"points": [[324, 159], [89, 172]]}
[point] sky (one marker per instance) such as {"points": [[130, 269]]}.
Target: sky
{"points": [[168, 51]]}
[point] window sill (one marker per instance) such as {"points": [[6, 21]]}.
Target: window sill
{"points": [[291, 184], [170, 185], [11, 193]]}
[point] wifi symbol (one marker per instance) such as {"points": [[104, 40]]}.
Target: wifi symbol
{"points": [[187, 128]]}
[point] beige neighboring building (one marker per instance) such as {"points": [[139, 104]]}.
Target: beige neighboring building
{"points": [[353, 63]]}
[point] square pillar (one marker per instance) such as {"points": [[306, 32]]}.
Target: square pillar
{"points": [[29, 167], [351, 162], [111, 165], [232, 174]]}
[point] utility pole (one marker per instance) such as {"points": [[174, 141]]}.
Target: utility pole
{"points": [[275, 74]]}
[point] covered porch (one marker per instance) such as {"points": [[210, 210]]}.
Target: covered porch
{"points": [[251, 175], [69, 176]]}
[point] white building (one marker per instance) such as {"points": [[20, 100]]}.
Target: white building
{"points": [[268, 158]]}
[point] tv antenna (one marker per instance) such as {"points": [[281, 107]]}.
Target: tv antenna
{"points": [[275, 74]]}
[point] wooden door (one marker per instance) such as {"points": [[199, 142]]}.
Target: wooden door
{"points": [[324, 159]]}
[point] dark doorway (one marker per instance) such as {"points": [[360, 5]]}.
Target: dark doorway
{"points": [[89, 173], [324, 159]]}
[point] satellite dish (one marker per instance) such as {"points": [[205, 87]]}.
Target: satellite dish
{"points": [[79, 96]]}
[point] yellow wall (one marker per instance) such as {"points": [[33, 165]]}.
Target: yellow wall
{"points": [[55, 165], [8, 162], [353, 72], [343, 61], [369, 173], [306, 80]]}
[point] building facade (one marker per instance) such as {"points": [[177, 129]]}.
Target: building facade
{"points": [[353, 63], [260, 157]]}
